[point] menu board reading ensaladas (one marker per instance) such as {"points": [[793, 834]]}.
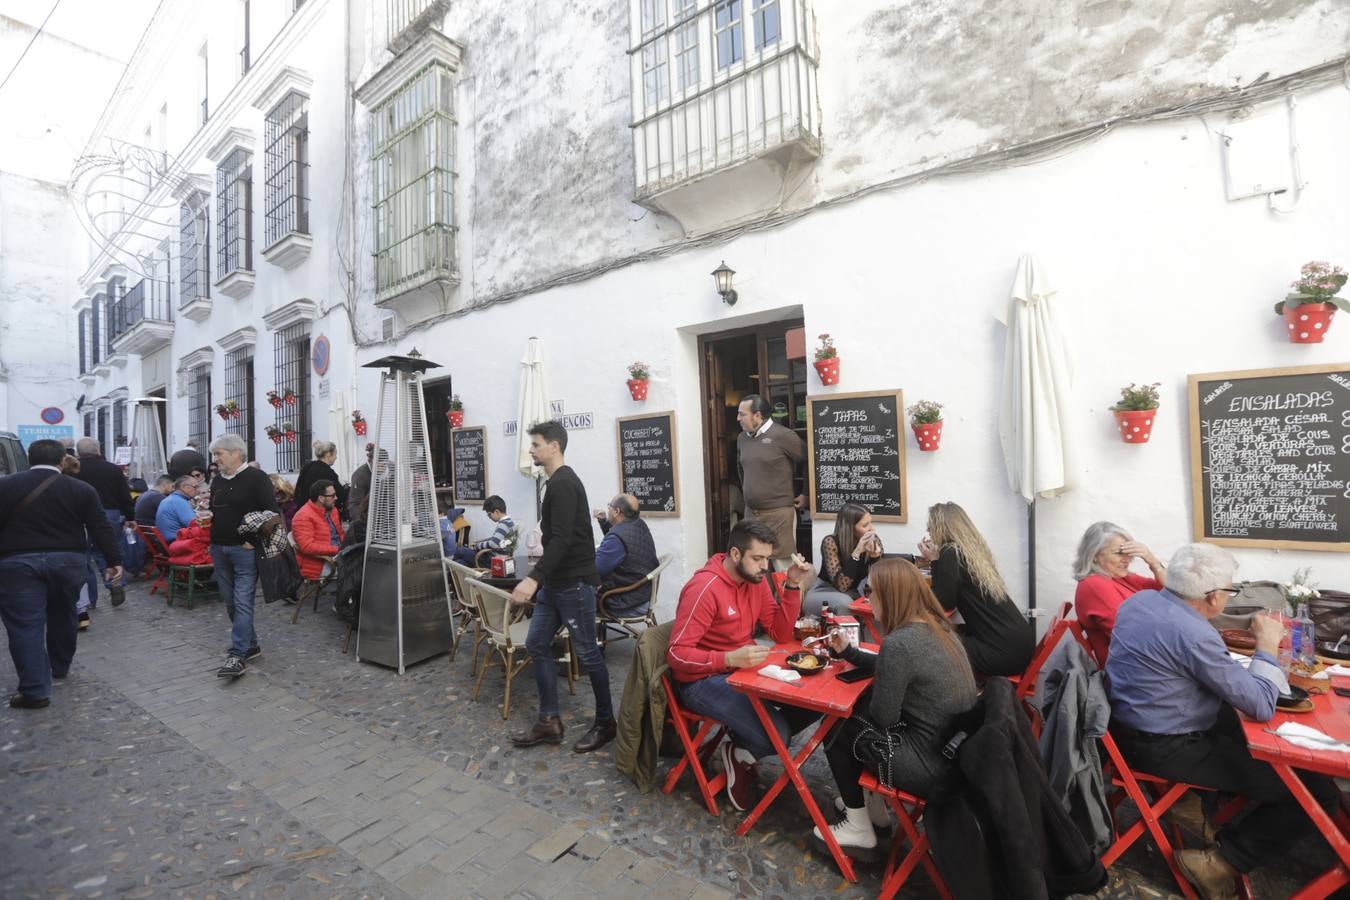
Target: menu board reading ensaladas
{"points": [[1270, 457], [647, 463], [468, 449], [856, 452]]}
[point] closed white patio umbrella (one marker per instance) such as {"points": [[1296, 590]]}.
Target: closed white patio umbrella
{"points": [[532, 409], [340, 429], [1037, 378]]}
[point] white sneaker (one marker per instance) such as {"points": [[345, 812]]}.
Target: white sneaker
{"points": [[877, 810], [854, 830]]}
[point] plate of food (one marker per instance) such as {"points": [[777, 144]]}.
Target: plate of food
{"points": [[806, 662], [1296, 701], [1238, 639]]}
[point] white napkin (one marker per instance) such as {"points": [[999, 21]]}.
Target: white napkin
{"points": [[1337, 670], [1310, 738], [780, 673]]}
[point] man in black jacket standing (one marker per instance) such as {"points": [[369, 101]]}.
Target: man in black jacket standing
{"points": [[113, 492], [562, 586], [43, 519], [238, 490]]}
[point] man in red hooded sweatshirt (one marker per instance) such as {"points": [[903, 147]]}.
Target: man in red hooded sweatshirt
{"points": [[714, 633]]}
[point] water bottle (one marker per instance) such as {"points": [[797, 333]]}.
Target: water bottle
{"points": [[1286, 651], [1307, 637]]}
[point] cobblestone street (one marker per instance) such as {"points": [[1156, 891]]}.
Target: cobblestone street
{"points": [[318, 776]]}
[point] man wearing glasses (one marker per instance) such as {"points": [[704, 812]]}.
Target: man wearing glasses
{"points": [[1173, 688], [317, 529]]}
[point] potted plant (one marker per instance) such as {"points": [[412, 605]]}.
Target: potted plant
{"points": [[1135, 412], [275, 434], [638, 376], [228, 410], [925, 417], [288, 397], [456, 412], [274, 398], [288, 429], [827, 361], [1307, 312], [358, 422]]}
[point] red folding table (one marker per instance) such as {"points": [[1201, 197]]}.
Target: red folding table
{"points": [[1331, 716], [823, 693], [861, 609]]}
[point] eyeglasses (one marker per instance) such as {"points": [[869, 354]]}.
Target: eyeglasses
{"points": [[1232, 592], [330, 496]]}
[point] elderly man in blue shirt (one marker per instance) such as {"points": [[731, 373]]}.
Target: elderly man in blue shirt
{"points": [[1173, 688]]}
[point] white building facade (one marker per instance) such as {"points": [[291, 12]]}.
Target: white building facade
{"points": [[460, 176]]}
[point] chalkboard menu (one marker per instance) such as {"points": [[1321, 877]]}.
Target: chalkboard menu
{"points": [[856, 453], [647, 463], [1270, 457], [468, 449]]}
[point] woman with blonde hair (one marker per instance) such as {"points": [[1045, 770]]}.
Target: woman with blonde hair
{"points": [[923, 681], [997, 636], [320, 468]]}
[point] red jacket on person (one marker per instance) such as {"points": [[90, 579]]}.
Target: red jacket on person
{"points": [[313, 538], [717, 615], [191, 546]]}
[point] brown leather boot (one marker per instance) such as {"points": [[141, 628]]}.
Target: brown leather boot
{"points": [[599, 735], [1213, 875], [547, 730]]}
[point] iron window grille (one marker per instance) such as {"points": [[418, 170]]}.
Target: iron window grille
{"points": [[114, 322], [292, 373], [89, 424], [286, 168], [234, 213], [84, 341], [119, 424], [96, 330], [199, 406], [239, 387], [194, 251], [103, 430], [413, 183]]}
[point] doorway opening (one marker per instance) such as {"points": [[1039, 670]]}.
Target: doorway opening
{"points": [[769, 360], [436, 404], [161, 410]]}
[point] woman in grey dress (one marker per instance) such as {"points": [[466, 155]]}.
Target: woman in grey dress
{"points": [[922, 682]]}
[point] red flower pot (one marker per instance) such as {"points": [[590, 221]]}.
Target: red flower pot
{"points": [[290, 436], [927, 434], [638, 388], [276, 438], [359, 427], [456, 417], [224, 414], [828, 370], [290, 399], [1307, 322], [276, 402], [1135, 424]]}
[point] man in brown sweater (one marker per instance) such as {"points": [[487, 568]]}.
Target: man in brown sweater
{"points": [[768, 456]]}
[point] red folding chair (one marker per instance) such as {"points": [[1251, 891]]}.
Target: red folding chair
{"points": [[908, 811], [159, 554], [698, 747]]}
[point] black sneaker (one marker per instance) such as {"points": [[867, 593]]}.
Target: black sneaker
{"points": [[119, 595], [84, 621], [252, 654], [233, 668]]}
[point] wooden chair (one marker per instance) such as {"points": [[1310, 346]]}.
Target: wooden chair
{"points": [[191, 579], [464, 611], [158, 549], [698, 747], [310, 588], [908, 811], [629, 626], [505, 629]]}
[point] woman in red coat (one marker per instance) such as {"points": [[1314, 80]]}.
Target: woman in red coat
{"points": [[317, 529], [1105, 581], [191, 545]]}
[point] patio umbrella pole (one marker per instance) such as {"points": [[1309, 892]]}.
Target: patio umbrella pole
{"points": [[1031, 558]]}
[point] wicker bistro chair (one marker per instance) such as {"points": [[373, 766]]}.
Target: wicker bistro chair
{"points": [[464, 611], [504, 632], [630, 626]]}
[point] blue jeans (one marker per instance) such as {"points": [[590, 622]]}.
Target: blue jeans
{"points": [[573, 606], [714, 698], [37, 605], [100, 564], [237, 575]]}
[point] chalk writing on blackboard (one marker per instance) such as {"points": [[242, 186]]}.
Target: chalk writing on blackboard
{"points": [[468, 447], [647, 462], [856, 453]]}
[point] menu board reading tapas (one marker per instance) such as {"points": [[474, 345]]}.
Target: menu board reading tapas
{"points": [[1270, 457], [647, 462], [856, 453], [468, 449]]}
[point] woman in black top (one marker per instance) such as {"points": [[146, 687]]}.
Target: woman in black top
{"points": [[320, 468], [846, 555], [998, 638]]}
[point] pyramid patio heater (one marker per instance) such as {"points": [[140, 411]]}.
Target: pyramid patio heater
{"points": [[147, 442], [405, 595]]}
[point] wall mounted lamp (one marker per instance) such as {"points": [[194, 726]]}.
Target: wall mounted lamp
{"points": [[722, 275]]}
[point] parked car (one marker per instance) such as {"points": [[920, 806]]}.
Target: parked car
{"points": [[12, 457]]}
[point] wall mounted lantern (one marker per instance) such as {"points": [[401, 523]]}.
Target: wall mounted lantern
{"points": [[722, 275]]}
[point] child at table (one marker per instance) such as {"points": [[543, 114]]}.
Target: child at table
{"points": [[923, 681]]}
